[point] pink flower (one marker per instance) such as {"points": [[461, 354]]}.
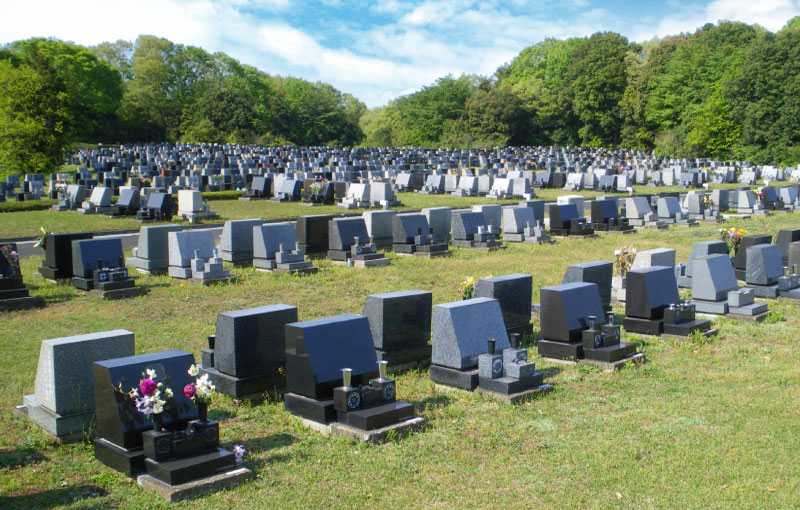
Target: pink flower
{"points": [[189, 390], [147, 387]]}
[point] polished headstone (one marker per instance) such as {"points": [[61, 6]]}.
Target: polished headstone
{"points": [[406, 227], [461, 330], [57, 264], [655, 257], [342, 231], [267, 240], [184, 244], [764, 265], [712, 277], [312, 232], [152, 253], [439, 221], [565, 310], [87, 254], [236, 244], [399, 320], [649, 291], [598, 272], [513, 292]]}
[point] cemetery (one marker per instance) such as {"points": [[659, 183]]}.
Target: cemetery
{"points": [[400, 360]]}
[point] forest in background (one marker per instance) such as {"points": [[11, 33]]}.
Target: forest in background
{"points": [[729, 91]]}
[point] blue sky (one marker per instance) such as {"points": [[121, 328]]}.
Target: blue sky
{"points": [[374, 50]]}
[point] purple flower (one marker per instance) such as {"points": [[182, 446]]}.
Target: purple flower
{"points": [[147, 387], [189, 390], [238, 453]]}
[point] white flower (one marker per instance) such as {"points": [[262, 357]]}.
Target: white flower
{"points": [[158, 407], [151, 374], [168, 392], [193, 370]]}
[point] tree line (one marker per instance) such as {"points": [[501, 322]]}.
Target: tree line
{"points": [[729, 91]]}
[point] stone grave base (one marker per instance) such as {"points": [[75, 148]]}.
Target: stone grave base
{"points": [[148, 266], [613, 366], [789, 294], [118, 293], [462, 379], [188, 490], [382, 242], [643, 326], [741, 274], [300, 271], [248, 199], [237, 258], [395, 430], [748, 318], [371, 262], [684, 282], [513, 398], [710, 307], [211, 281], [406, 358], [52, 274], [533, 240], [241, 388], [21, 303], [67, 429], [611, 353], [706, 333], [685, 329], [433, 254], [129, 462], [319, 411], [513, 238], [487, 248], [549, 349], [765, 291]]}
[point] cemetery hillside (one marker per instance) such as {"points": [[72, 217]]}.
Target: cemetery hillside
{"points": [[574, 283], [726, 91]]}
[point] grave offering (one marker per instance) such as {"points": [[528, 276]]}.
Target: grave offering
{"points": [[653, 306], [236, 244], [564, 315], [99, 202], [471, 231], [565, 221], [606, 218], [400, 323], [412, 236], [713, 286], [348, 241], [439, 221], [63, 398], [128, 203], [765, 273], [245, 357], [14, 295], [151, 256], [787, 236], [379, 227], [312, 233], [272, 250], [160, 207], [318, 193], [192, 207], [193, 257], [508, 375], [98, 266], [461, 331], [174, 449], [598, 272], [513, 292], [740, 259], [57, 263], [332, 384], [260, 188]]}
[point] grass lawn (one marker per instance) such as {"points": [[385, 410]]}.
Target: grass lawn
{"points": [[704, 424], [26, 224]]}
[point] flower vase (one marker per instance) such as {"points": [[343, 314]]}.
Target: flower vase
{"points": [[158, 422], [202, 411]]}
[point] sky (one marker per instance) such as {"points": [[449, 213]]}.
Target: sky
{"points": [[376, 50]]}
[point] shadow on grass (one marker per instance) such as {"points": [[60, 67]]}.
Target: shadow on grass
{"points": [[152, 285], [18, 458], [56, 498], [433, 401], [263, 444], [550, 372]]}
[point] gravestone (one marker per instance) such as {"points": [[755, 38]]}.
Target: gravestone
{"points": [[63, 398], [192, 207], [493, 214], [330, 375], [787, 236], [348, 243], [57, 263], [236, 244], [598, 272], [128, 203], [439, 222], [740, 259], [461, 330], [564, 314], [99, 202], [651, 291], [470, 230], [151, 256], [98, 265], [654, 257], [513, 292], [508, 375], [258, 189], [412, 236], [249, 352], [312, 233], [267, 242], [379, 227], [159, 207], [605, 216], [13, 293], [639, 213], [764, 268], [515, 220], [400, 323], [184, 246], [712, 279], [566, 221]]}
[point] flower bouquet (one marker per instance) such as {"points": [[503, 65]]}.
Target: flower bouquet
{"points": [[200, 391], [151, 397], [732, 236]]}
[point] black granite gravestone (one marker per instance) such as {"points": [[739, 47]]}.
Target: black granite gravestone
{"points": [[564, 316], [13, 293], [249, 350], [787, 236], [606, 217], [566, 221], [312, 233], [57, 263], [514, 292], [400, 323], [99, 264], [599, 272], [411, 234]]}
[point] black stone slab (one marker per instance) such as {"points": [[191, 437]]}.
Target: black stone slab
{"points": [[376, 417], [643, 326], [57, 263], [320, 411], [178, 471], [598, 272], [312, 233], [560, 350], [649, 291], [399, 320], [611, 353], [740, 260], [514, 293], [86, 255], [464, 379], [565, 310]]}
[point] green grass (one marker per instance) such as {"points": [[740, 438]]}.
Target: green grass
{"points": [[706, 423]]}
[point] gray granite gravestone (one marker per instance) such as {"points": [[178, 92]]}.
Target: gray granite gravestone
{"points": [[63, 399], [379, 227], [655, 257], [183, 246], [152, 254], [267, 240], [439, 221], [764, 268], [236, 244]]}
